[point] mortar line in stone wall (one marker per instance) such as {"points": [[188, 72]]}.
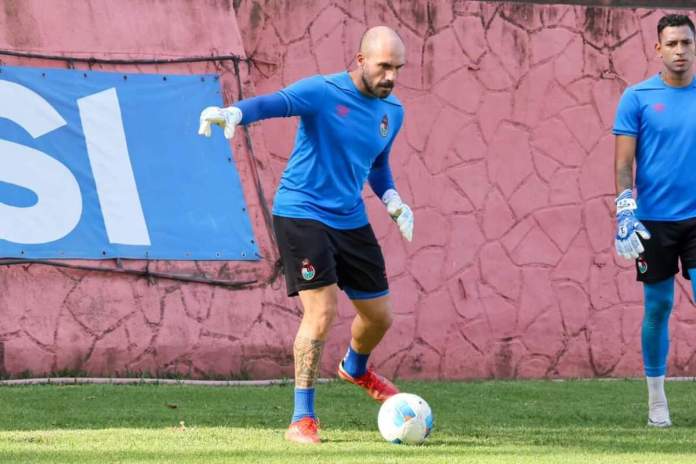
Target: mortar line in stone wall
{"points": [[612, 4]]}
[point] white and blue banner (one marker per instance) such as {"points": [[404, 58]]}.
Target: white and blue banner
{"points": [[101, 165]]}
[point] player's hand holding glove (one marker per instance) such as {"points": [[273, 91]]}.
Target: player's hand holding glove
{"points": [[226, 118], [400, 213], [628, 228]]}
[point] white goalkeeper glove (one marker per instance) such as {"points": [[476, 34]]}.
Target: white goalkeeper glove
{"points": [[400, 213], [628, 227], [226, 118]]}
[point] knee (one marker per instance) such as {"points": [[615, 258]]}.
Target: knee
{"points": [[659, 305], [657, 310], [387, 321], [327, 316], [383, 321], [321, 317], [659, 298]]}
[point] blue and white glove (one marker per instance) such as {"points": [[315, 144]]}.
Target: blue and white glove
{"points": [[399, 212], [628, 228], [226, 118]]}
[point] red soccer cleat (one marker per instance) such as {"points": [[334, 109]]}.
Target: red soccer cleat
{"points": [[378, 387], [305, 431]]}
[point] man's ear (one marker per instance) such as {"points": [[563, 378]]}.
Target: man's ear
{"points": [[360, 58]]}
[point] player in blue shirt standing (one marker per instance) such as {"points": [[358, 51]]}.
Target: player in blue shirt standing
{"points": [[348, 122], [656, 126]]}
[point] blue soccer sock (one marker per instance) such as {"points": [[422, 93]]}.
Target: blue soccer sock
{"points": [[354, 363], [655, 331], [304, 403]]}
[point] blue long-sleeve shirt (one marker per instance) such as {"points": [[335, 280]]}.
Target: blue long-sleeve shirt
{"points": [[343, 139]]}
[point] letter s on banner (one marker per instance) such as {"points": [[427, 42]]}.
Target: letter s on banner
{"points": [[59, 205]]}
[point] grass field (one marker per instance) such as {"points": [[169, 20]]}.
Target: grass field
{"points": [[482, 422]]}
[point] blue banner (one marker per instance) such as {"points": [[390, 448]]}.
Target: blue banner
{"points": [[101, 165]]}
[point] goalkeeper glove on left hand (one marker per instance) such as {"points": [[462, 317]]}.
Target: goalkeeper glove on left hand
{"points": [[400, 213]]}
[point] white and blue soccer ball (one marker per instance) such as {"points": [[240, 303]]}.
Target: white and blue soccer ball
{"points": [[405, 418]]}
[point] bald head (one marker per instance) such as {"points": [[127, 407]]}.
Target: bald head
{"points": [[381, 56], [380, 37]]}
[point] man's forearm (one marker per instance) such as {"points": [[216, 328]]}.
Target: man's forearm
{"points": [[381, 179], [262, 107], [624, 177], [625, 155]]}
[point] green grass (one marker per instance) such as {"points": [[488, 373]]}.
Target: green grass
{"points": [[480, 422]]}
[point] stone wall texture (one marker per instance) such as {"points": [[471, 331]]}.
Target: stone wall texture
{"points": [[506, 156]]}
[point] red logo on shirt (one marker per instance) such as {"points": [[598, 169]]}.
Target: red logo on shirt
{"points": [[659, 107], [342, 110]]}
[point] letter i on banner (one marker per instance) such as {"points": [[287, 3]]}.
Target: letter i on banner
{"points": [[100, 114]]}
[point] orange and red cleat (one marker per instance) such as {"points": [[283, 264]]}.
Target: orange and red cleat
{"points": [[378, 387], [305, 431]]}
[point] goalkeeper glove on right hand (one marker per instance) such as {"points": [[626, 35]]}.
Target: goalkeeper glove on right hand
{"points": [[227, 118], [628, 227]]}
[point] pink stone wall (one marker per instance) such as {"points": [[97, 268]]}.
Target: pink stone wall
{"points": [[506, 157], [55, 319]]}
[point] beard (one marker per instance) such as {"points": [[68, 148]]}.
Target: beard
{"points": [[381, 90]]}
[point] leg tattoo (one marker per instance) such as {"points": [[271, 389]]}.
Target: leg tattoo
{"points": [[307, 357]]}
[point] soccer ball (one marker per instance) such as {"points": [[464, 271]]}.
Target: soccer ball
{"points": [[405, 418]]}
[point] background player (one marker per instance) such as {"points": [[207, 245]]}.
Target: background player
{"points": [[656, 126], [348, 123]]}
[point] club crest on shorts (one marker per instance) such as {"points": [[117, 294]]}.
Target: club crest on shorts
{"points": [[642, 265], [308, 271], [384, 126]]}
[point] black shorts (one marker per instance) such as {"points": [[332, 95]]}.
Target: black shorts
{"points": [[315, 255], [670, 242]]}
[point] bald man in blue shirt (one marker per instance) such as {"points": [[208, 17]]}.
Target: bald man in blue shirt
{"points": [[348, 123]]}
